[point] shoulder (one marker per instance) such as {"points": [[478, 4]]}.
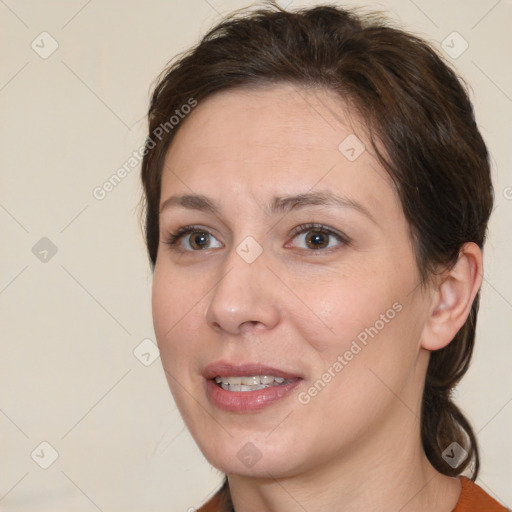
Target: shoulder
{"points": [[212, 505], [474, 499], [220, 502]]}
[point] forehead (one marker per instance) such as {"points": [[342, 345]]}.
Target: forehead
{"points": [[273, 139], [277, 116]]}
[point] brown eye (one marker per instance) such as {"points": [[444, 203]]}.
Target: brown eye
{"points": [[192, 239], [317, 239], [199, 240]]}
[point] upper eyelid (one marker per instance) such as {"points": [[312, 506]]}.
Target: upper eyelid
{"points": [[301, 228], [310, 226], [187, 230]]}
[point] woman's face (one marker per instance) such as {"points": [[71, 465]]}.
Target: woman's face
{"points": [[299, 266]]}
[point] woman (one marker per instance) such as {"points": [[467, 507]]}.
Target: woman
{"points": [[317, 196]]}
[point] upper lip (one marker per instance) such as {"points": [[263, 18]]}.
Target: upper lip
{"points": [[225, 369]]}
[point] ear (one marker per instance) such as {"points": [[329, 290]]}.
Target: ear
{"points": [[452, 298]]}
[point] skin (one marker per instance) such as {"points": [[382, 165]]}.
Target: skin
{"points": [[356, 444]]}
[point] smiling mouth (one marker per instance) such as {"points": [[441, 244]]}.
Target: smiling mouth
{"points": [[251, 383], [247, 388]]}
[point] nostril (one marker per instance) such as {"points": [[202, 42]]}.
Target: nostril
{"points": [[249, 325]]}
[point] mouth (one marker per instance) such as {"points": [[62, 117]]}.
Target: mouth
{"points": [[247, 387], [251, 383]]}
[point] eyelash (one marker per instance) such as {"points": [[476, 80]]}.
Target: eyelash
{"points": [[174, 238]]}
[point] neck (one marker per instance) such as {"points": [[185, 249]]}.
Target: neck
{"points": [[364, 477]]}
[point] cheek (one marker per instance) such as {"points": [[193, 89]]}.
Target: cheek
{"points": [[173, 317], [373, 350], [346, 307], [371, 330], [174, 325]]}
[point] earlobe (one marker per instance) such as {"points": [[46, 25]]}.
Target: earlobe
{"points": [[453, 298]]}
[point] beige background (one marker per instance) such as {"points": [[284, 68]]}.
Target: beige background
{"points": [[71, 322]]}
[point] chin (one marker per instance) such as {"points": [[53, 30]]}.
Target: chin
{"points": [[252, 455]]}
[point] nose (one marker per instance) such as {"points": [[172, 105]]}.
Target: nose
{"points": [[244, 298]]}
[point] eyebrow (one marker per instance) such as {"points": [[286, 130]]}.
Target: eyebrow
{"points": [[278, 205]]}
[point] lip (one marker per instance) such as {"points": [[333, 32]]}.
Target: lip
{"points": [[246, 401], [224, 369]]}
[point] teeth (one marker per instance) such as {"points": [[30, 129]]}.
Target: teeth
{"points": [[240, 387], [249, 383]]}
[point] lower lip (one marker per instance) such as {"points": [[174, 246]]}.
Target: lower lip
{"points": [[247, 401]]}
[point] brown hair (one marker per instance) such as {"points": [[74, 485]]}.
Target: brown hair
{"points": [[421, 125]]}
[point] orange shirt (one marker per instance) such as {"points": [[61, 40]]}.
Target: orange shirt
{"points": [[472, 499]]}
